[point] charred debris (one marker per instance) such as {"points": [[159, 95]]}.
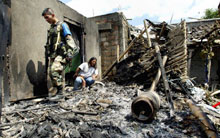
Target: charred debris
{"points": [[150, 95]]}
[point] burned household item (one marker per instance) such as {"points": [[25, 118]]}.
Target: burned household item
{"points": [[145, 106]]}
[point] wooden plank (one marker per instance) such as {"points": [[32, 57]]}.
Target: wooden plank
{"points": [[189, 62], [205, 123], [30, 109], [157, 78], [118, 52], [165, 81], [183, 57], [147, 33]]}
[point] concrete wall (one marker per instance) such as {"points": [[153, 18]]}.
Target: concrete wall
{"points": [[123, 33], [92, 48], [113, 32], [26, 57]]}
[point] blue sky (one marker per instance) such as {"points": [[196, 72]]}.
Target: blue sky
{"points": [[65, 1], [170, 11]]}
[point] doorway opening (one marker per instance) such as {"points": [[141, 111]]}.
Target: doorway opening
{"points": [[78, 36]]}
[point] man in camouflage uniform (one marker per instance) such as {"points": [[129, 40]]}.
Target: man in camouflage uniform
{"points": [[60, 48]]}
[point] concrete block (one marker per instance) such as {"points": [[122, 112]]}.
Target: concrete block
{"points": [[103, 39], [106, 44], [104, 27]]}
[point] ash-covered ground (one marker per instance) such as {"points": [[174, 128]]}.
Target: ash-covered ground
{"points": [[98, 112]]}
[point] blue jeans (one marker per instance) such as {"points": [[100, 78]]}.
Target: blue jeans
{"points": [[78, 82]]}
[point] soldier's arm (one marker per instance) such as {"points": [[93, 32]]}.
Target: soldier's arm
{"points": [[69, 40], [71, 43]]}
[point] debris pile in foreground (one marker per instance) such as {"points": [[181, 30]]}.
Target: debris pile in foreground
{"points": [[101, 111]]}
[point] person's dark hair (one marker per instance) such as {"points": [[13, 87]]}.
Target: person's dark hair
{"points": [[47, 11], [91, 59], [219, 5]]}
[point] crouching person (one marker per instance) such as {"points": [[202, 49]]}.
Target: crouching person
{"points": [[86, 74]]}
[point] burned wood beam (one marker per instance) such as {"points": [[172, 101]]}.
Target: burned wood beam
{"points": [[34, 113], [205, 123], [6, 118], [176, 49], [31, 98], [79, 112], [165, 81], [189, 62], [173, 56], [23, 121], [157, 78], [161, 32], [25, 110], [210, 112], [176, 63], [147, 62], [209, 33], [176, 66], [183, 57], [147, 33], [19, 114]]}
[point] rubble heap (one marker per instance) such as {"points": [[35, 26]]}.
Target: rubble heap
{"points": [[141, 65], [101, 111]]}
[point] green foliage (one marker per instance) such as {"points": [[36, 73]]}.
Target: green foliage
{"points": [[211, 13]]}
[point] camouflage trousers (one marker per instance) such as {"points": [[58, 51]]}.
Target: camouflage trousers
{"points": [[56, 68]]}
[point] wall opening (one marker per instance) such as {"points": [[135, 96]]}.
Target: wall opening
{"points": [[77, 34]]}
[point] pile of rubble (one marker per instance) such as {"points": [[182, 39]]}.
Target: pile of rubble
{"points": [[101, 111], [142, 64]]}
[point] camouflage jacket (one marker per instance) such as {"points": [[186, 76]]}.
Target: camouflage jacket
{"points": [[57, 44]]}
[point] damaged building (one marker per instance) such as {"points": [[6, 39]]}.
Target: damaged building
{"points": [[96, 36], [113, 36], [26, 59], [200, 34], [147, 88]]}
